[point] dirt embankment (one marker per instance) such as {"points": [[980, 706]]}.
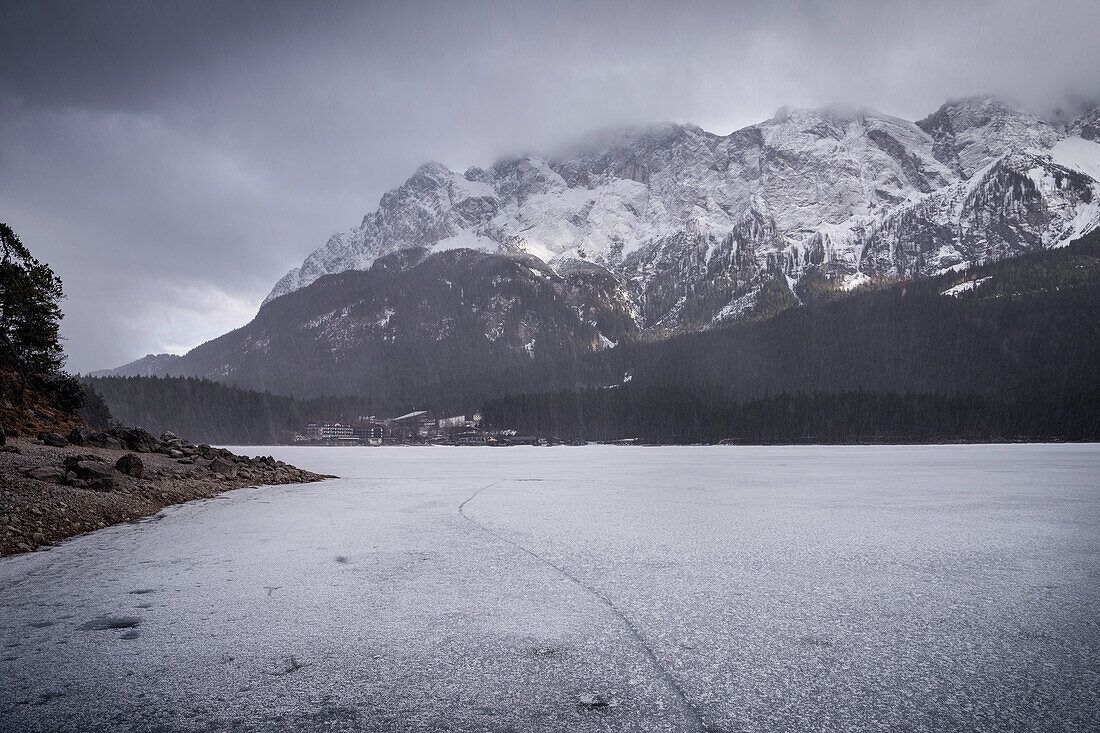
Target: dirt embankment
{"points": [[50, 492]]}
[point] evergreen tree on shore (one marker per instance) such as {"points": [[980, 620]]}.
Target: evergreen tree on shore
{"points": [[30, 322]]}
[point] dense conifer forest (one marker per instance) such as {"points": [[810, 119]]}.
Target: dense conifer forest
{"points": [[674, 415], [1012, 357], [210, 412]]}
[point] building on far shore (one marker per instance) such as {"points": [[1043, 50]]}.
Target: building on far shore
{"points": [[418, 427], [335, 433], [471, 437], [448, 423], [368, 433], [407, 427], [324, 431]]}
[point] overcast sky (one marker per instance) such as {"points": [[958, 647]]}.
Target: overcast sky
{"points": [[172, 160]]}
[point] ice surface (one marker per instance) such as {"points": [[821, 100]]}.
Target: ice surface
{"points": [[598, 588]]}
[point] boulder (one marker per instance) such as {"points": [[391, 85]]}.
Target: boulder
{"points": [[138, 440], [71, 461], [99, 476], [223, 468], [57, 440], [168, 436], [49, 474], [130, 465], [79, 436], [103, 440], [592, 701]]}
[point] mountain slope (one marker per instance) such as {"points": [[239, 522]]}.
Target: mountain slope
{"points": [[450, 326], [147, 366], [999, 351], [1002, 351], [457, 283], [692, 225]]}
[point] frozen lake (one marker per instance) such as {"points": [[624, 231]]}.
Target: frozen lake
{"points": [[597, 588]]}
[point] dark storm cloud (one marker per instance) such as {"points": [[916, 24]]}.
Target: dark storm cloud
{"points": [[172, 160]]}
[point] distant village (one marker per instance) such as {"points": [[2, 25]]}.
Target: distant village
{"points": [[415, 428]]}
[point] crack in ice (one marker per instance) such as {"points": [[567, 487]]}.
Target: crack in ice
{"points": [[692, 711]]}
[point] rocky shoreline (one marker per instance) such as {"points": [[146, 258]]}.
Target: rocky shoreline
{"points": [[58, 486]]}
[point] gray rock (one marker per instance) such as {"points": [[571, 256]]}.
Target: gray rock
{"points": [[103, 440], [57, 440], [138, 440], [130, 465], [100, 476], [79, 436], [592, 701], [49, 474], [223, 468], [71, 461]]}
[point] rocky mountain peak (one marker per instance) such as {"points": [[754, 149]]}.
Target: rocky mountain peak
{"points": [[692, 224], [971, 133], [1086, 125]]}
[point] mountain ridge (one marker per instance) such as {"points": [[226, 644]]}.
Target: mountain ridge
{"points": [[856, 193], [460, 278]]}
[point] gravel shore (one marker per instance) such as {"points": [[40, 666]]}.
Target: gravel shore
{"points": [[35, 512]]}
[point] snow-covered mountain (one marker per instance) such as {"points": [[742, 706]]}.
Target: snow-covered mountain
{"points": [[465, 285], [695, 226]]}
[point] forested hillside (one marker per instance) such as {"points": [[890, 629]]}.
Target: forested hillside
{"points": [[1010, 352], [676, 415], [1032, 324], [215, 413], [453, 329]]}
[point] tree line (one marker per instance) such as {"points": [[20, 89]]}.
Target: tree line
{"points": [[675, 415], [206, 411]]}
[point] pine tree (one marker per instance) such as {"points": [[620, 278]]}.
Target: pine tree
{"points": [[30, 321]]}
